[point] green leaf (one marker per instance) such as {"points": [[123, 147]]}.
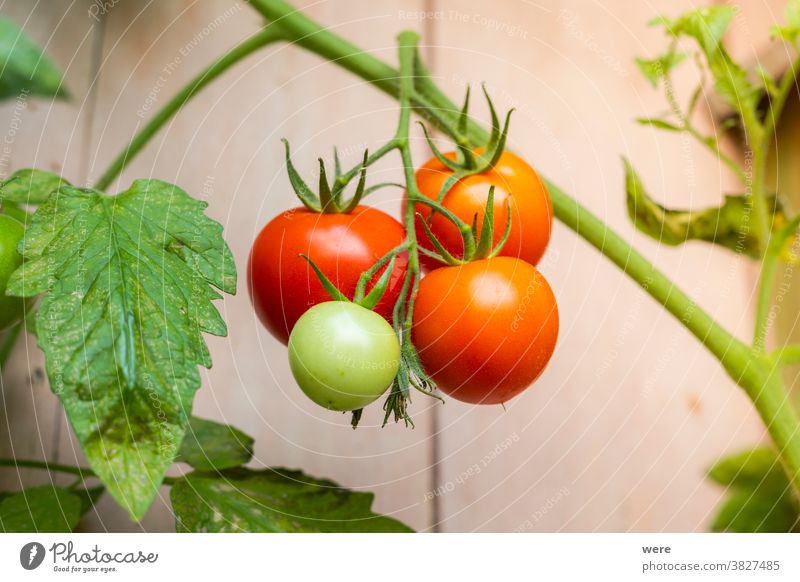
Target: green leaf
{"points": [[30, 186], [89, 497], [727, 225], [659, 124], [747, 511], [210, 446], [707, 26], [272, 500], [791, 30], [750, 469], [654, 70], [759, 494], [44, 509], [23, 67], [127, 283]]}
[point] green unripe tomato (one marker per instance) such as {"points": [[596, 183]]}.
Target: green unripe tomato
{"points": [[11, 308], [342, 355]]}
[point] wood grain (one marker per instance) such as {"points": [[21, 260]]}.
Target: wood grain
{"points": [[617, 433]]}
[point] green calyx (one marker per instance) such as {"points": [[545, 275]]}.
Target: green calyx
{"points": [[330, 199], [367, 299], [468, 162], [478, 244]]}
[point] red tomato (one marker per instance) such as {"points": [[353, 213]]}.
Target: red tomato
{"points": [[283, 285], [485, 330], [512, 177]]}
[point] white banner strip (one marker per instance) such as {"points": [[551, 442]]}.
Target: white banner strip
{"points": [[460, 557]]}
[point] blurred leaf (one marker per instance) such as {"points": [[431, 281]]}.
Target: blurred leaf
{"points": [[210, 446], [23, 67], [759, 495], [272, 500], [44, 509], [659, 124], [30, 186], [791, 30], [654, 70], [750, 469], [89, 496], [707, 26], [727, 225]]}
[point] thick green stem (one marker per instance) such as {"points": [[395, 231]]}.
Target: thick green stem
{"points": [[787, 356], [259, 40], [766, 282], [407, 42]]}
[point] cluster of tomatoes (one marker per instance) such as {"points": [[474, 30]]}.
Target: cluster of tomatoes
{"points": [[484, 330]]}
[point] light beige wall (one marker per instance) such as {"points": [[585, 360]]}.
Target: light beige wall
{"points": [[615, 435]]}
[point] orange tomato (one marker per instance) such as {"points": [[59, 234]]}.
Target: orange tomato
{"points": [[514, 179], [485, 330]]}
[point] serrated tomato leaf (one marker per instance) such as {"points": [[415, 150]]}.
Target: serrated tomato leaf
{"points": [[128, 285], [23, 67], [209, 446], [44, 509], [272, 500]]}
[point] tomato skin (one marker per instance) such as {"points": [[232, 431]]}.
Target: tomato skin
{"points": [[512, 177], [485, 330], [343, 356], [11, 232], [283, 285]]}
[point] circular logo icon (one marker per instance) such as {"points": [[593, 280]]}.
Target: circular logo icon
{"points": [[31, 555]]}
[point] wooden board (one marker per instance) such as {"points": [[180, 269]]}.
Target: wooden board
{"points": [[617, 433]]}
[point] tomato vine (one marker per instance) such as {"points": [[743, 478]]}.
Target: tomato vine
{"points": [[750, 365]]}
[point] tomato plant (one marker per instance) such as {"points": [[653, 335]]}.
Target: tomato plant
{"points": [[514, 180], [11, 308], [282, 284], [343, 356], [483, 327], [485, 330]]}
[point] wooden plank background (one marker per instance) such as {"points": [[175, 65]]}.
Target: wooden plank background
{"points": [[616, 434]]}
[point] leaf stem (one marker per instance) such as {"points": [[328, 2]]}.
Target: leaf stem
{"points": [[259, 40], [787, 355], [44, 465]]}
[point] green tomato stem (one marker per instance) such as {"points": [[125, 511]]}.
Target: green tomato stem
{"points": [[259, 40], [786, 356], [766, 283]]}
